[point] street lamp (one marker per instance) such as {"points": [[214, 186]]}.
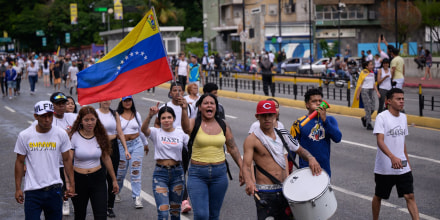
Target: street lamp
{"points": [[341, 7], [109, 12]]}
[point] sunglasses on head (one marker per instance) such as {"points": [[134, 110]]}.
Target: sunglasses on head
{"points": [[60, 97]]}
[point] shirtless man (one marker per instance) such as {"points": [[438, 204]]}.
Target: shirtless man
{"points": [[265, 148]]}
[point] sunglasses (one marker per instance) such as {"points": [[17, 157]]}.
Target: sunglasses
{"points": [[59, 97]]}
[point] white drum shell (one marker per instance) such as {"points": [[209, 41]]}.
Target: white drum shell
{"points": [[322, 207]]}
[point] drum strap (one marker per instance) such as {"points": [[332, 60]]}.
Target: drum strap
{"points": [[292, 158], [268, 175]]}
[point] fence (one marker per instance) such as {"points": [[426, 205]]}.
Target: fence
{"points": [[432, 104], [287, 85]]}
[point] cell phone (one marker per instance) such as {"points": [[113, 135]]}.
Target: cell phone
{"points": [[404, 163], [381, 36]]}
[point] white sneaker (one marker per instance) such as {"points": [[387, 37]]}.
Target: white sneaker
{"points": [[138, 202], [66, 208], [118, 198]]}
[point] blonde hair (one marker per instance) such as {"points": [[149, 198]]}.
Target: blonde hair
{"points": [[189, 87]]}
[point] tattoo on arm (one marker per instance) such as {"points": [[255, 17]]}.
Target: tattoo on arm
{"points": [[304, 154]]}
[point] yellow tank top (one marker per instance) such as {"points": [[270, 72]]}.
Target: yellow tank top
{"points": [[208, 148]]}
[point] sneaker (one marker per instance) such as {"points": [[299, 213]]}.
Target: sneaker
{"points": [[423, 78], [364, 122], [66, 208], [369, 127], [118, 198], [110, 213], [138, 202], [185, 206]]}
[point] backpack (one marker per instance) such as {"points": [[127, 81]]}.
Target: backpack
{"points": [[197, 124]]}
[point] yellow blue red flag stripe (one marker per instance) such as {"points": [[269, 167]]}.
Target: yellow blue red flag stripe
{"points": [[137, 63]]}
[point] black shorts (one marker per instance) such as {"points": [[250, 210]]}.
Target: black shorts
{"points": [[385, 183]]}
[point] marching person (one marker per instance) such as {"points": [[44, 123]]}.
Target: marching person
{"points": [[207, 179], [397, 68], [365, 88], [317, 134], [90, 146], [384, 83], [112, 124], [71, 105], [182, 70], [193, 94], [392, 166], [168, 177], [195, 72], [136, 144], [277, 123], [41, 146], [272, 170]]}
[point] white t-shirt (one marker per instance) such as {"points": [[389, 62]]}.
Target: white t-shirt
{"points": [[66, 122], [369, 57], [383, 55], [108, 121], [87, 153], [168, 145], [191, 101], [271, 57], [133, 126], [182, 69], [256, 125], [386, 83], [394, 129], [73, 70], [43, 152], [369, 81], [32, 71], [178, 111]]}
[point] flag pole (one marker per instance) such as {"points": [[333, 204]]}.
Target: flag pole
{"points": [[166, 53]]}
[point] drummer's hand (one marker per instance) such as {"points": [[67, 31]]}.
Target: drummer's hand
{"points": [[251, 189], [314, 166]]}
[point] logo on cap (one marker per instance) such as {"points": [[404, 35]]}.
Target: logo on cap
{"points": [[267, 105]]}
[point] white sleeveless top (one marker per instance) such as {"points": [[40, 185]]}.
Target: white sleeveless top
{"points": [[108, 121], [386, 84]]}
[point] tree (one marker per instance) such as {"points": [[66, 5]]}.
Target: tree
{"points": [[408, 20], [431, 18], [327, 49]]}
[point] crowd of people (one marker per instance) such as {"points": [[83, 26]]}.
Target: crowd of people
{"points": [[87, 152]]}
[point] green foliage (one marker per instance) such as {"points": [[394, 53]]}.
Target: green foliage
{"points": [[431, 17], [195, 48], [327, 50]]}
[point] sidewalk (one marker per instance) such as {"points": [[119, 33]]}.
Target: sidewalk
{"points": [[413, 82]]}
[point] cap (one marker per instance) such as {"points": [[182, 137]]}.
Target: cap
{"points": [[43, 107], [126, 97], [58, 97], [266, 107], [193, 55]]}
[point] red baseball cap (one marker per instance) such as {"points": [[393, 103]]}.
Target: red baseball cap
{"points": [[266, 107]]}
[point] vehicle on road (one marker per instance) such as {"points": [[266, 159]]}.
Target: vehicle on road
{"points": [[317, 67], [292, 65]]}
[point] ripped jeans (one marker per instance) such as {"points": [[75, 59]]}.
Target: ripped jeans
{"points": [[136, 149], [168, 187]]}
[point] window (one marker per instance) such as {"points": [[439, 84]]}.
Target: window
{"points": [[172, 46], [350, 12]]}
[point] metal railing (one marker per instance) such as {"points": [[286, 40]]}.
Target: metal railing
{"points": [[287, 85], [432, 104]]}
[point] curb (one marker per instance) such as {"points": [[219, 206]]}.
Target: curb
{"points": [[413, 120], [426, 86]]}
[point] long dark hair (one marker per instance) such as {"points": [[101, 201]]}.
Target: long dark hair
{"points": [[166, 109], [76, 109], [199, 102], [99, 130], [120, 109], [45, 63]]}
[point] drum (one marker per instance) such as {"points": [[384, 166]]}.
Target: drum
{"points": [[310, 197]]}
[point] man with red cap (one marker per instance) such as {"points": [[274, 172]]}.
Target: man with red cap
{"points": [[271, 170]]}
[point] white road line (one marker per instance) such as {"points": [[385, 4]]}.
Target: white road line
{"points": [[152, 100], [230, 116], [375, 148], [147, 197], [9, 109], [30, 122], [384, 203], [49, 94]]}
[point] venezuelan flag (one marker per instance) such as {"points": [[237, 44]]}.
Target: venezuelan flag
{"points": [[137, 63]]}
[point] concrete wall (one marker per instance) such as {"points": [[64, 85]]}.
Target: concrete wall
{"points": [[412, 71]]}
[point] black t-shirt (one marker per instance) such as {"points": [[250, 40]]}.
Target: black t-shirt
{"points": [[56, 72]]}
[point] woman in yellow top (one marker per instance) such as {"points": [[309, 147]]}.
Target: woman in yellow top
{"points": [[365, 88], [207, 180]]}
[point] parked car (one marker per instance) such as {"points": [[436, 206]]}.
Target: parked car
{"points": [[317, 67], [292, 64]]}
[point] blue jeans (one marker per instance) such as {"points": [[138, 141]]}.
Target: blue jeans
{"points": [[50, 201], [32, 81], [136, 149], [207, 185], [168, 187]]}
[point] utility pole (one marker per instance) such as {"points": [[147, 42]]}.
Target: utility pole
{"points": [[279, 25], [244, 41], [310, 34], [395, 17]]}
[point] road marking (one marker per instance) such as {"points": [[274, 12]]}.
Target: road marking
{"points": [[230, 116], [375, 148], [147, 197], [49, 94], [30, 122], [9, 109], [384, 203], [151, 100]]}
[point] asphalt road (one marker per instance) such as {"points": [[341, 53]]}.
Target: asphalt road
{"points": [[352, 163]]}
